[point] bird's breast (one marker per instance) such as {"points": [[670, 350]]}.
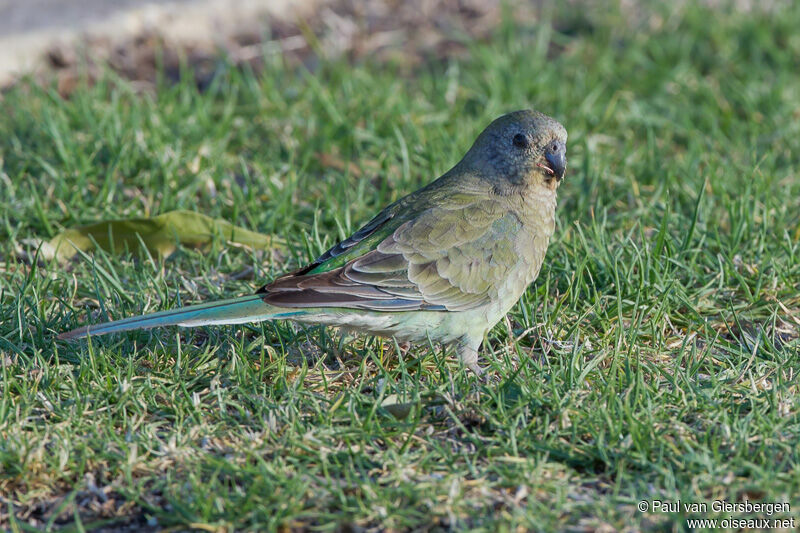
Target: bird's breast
{"points": [[537, 223]]}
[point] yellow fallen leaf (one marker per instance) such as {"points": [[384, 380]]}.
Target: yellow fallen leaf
{"points": [[160, 234]]}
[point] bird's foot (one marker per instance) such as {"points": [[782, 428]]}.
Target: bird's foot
{"points": [[477, 369], [468, 354], [480, 372]]}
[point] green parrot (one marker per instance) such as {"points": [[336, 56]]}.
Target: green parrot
{"points": [[445, 263]]}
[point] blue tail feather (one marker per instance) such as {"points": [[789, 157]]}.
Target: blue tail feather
{"points": [[233, 311]]}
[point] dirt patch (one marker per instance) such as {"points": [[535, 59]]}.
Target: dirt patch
{"points": [[404, 32]]}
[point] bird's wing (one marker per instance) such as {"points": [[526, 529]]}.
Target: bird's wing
{"points": [[450, 256]]}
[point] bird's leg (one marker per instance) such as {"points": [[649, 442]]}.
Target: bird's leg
{"points": [[468, 354]]}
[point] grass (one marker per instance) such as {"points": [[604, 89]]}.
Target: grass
{"points": [[656, 357]]}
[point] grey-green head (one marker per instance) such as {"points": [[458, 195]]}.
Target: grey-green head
{"points": [[522, 147]]}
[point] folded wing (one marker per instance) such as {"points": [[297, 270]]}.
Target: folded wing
{"points": [[449, 257]]}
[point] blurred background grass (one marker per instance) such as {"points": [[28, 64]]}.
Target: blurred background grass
{"points": [[654, 358]]}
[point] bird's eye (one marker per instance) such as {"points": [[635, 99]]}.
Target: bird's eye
{"points": [[520, 141]]}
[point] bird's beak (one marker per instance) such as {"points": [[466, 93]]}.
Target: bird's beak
{"points": [[557, 161]]}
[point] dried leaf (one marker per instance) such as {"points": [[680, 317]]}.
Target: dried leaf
{"points": [[160, 234]]}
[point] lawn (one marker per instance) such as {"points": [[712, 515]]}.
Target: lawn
{"points": [[655, 358]]}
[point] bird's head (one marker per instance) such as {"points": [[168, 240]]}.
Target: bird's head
{"points": [[523, 148]]}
